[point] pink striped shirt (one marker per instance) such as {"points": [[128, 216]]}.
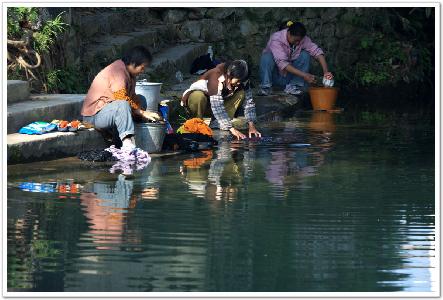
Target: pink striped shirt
{"points": [[279, 46]]}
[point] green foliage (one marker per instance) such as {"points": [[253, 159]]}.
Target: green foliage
{"points": [[373, 117], [15, 15], [393, 47], [44, 249], [45, 38], [32, 25], [15, 73], [67, 80]]}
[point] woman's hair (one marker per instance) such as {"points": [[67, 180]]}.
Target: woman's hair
{"points": [[297, 29], [284, 24], [237, 69], [137, 56]]}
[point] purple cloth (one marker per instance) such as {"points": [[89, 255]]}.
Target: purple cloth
{"points": [[129, 160], [279, 46]]}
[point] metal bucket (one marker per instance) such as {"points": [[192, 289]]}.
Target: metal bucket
{"points": [[149, 93], [150, 136]]}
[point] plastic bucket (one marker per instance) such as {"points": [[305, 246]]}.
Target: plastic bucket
{"points": [[149, 93], [150, 136], [323, 98]]}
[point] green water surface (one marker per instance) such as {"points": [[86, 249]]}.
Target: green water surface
{"points": [[353, 212]]}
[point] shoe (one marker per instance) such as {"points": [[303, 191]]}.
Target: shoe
{"points": [[74, 126], [293, 90], [266, 91], [63, 126], [128, 144]]}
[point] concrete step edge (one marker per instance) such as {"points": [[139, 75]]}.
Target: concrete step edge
{"points": [[26, 148], [43, 108], [17, 90]]}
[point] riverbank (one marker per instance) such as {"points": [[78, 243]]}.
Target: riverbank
{"points": [[23, 148]]}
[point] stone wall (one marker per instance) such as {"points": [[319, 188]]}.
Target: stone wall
{"points": [[244, 32], [233, 32]]}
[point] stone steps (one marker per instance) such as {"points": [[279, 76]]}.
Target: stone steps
{"points": [[68, 106], [18, 90], [26, 148], [177, 58], [22, 148], [109, 47], [94, 24], [43, 108]]}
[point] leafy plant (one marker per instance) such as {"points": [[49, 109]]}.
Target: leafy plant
{"points": [[19, 17], [45, 38], [40, 33], [66, 80]]}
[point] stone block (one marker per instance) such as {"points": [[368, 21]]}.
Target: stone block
{"points": [[212, 30], [174, 16], [17, 90], [192, 30], [248, 28], [43, 108], [26, 148], [179, 57], [220, 13]]}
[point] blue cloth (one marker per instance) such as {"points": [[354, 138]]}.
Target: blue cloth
{"points": [[38, 128], [38, 187], [270, 75]]}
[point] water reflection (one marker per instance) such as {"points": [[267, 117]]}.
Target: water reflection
{"points": [[148, 180], [209, 221], [195, 171], [288, 158], [221, 173], [289, 167], [322, 121], [106, 206]]}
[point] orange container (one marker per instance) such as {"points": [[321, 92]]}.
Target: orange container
{"points": [[322, 121], [323, 98]]}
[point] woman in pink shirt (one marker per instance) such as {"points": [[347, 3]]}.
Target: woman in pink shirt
{"points": [[285, 60]]}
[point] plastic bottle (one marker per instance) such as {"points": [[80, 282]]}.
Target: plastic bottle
{"points": [[179, 76], [211, 53]]}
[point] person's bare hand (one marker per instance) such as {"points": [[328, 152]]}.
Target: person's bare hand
{"points": [[328, 75], [309, 78], [237, 134], [253, 131], [151, 116]]}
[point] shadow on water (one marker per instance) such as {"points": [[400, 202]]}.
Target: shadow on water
{"points": [[333, 202]]}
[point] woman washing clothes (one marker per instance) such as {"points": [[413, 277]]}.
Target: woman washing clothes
{"points": [[111, 103], [219, 94], [286, 58]]}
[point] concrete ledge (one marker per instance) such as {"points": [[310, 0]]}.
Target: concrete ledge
{"points": [[27, 148], [18, 90], [180, 57], [44, 108]]}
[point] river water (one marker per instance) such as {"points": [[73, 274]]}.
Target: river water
{"points": [[352, 212]]}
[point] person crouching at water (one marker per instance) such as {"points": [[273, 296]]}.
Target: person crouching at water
{"points": [[285, 60], [111, 102], [219, 93]]}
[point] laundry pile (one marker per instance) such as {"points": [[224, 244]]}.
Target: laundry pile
{"points": [[129, 160], [40, 127], [193, 135]]}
